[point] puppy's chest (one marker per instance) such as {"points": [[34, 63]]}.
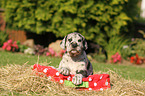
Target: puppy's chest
{"points": [[75, 60], [76, 63]]}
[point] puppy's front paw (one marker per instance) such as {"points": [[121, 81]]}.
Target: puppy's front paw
{"points": [[77, 79], [64, 71]]}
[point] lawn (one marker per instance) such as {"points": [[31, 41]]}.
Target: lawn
{"points": [[127, 72]]}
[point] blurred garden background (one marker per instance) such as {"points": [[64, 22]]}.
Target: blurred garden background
{"points": [[114, 29], [31, 32]]}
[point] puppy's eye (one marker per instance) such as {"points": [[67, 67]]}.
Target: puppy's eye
{"points": [[79, 40], [70, 39]]}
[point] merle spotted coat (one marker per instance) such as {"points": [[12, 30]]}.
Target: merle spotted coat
{"points": [[75, 60]]}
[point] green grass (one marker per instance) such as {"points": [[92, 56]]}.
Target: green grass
{"points": [[16, 58], [127, 72]]}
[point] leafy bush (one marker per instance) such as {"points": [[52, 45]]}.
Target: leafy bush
{"points": [[141, 20], [127, 52], [115, 45], [137, 46], [21, 47], [3, 37], [99, 57], [97, 20]]}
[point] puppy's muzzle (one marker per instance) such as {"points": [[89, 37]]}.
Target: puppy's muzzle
{"points": [[74, 44]]}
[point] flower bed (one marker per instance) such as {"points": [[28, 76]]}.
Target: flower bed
{"points": [[10, 46], [15, 46]]}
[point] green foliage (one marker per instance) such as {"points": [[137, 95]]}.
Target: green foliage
{"points": [[99, 57], [21, 47], [141, 20], [136, 47], [139, 47], [97, 20], [132, 9], [3, 37], [127, 52], [115, 44]]}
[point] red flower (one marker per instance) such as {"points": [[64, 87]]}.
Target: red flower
{"points": [[137, 56], [8, 48], [116, 58], [9, 41], [52, 52], [136, 59], [15, 45], [55, 54], [132, 59], [5, 45], [47, 54], [10, 45], [139, 61]]}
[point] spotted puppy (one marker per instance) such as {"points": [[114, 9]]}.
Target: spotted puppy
{"points": [[74, 60]]}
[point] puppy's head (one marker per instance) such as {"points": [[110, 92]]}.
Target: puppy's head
{"points": [[74, 43]]}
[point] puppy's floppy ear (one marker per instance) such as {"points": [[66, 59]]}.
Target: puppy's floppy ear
{"points": [[85, 45], [63, 43]]}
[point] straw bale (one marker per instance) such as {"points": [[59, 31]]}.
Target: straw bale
{"points": [[17, 79]]}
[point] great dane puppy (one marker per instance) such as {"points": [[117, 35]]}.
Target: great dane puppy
{"points": [[74, 60]]}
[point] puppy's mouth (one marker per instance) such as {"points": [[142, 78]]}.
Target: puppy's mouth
{"points": [[74, 52]]}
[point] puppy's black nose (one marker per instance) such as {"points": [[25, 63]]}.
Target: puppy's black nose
{"points": [[74, 45]]}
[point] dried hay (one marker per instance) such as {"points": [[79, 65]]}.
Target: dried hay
{"points": [[22, 80]]}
